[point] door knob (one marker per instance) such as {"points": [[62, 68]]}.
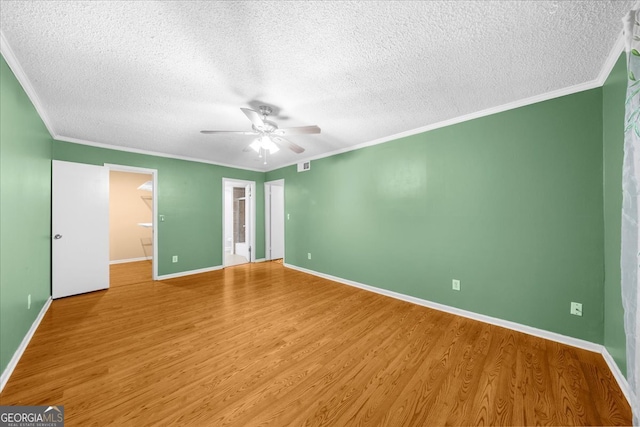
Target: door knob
{"points": [[57, 236]]}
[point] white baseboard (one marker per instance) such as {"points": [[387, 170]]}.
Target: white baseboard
{"points": [[541, 333], [190, 272], [124, 261], [553, 336], [4, 378], [618, 375], [575, 342], [260, 260]]}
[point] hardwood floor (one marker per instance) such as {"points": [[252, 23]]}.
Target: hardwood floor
{"points": [[260, 344]]}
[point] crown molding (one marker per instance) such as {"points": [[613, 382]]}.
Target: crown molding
{"points": [[151, 153], [599, 81], [24, 81], [17, 70], [611, 60], [460, 119]]}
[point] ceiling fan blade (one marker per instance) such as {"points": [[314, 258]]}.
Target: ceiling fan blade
{"points": [[254, 116], [286, 143], [298, 130], [234, 132]]}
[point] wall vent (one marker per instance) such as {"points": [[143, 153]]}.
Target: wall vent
{"points": [[304, 166]]}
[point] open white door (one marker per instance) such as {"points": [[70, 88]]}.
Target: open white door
{"points": [[274, 218], [80, 228]]}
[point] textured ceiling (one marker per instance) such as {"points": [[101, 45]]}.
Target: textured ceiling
{"points": [[151, 75]]}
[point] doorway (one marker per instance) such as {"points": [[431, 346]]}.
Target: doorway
{"points": [[274, 219], [132, 221], [238, 213]]}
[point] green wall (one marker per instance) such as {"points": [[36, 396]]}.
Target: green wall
{"points": [[510, 204], [613, 97], [190, 198], [25, 219]]}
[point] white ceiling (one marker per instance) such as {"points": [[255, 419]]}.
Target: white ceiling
{"points": [[150, 75]]}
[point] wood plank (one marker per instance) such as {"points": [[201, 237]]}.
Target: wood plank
{"points": [[260, 344]]}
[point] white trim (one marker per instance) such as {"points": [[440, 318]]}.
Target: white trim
{"points": [[617, 374], [260, 260], [552, 336], [599, 81], [4, 378], [154, 210], [456, 120], [130, 169], [267, 215], [189, 273], [24, 81], [125, 261], [252, 215], [267, 221], [611, 60], [150, 153]]}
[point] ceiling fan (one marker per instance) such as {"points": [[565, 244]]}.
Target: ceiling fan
{"points": [[270, 137]]}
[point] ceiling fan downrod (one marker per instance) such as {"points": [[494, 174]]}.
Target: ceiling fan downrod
{"points": [[265, 110]]}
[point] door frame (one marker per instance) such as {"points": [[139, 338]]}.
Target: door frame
{"points": [[154, 211], [267, 218], [252, 215]]}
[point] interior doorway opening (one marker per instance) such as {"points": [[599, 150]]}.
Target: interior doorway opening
{"points": [[238, 222], [132, 224], [274, 219]]}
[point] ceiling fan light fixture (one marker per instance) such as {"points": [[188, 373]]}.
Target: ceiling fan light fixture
{"points": [[264, 143], [269, 137], [269, 145], [256, 146]]}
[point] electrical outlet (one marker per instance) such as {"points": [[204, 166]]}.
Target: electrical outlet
{"points": [[455, 284], [288, 216], [161, 218], [29, 302], [309, 255], [175, 258], [576, 309]]}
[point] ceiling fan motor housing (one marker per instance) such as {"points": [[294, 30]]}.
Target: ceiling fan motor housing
{"points": [[268, 127], [265, 110]]}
